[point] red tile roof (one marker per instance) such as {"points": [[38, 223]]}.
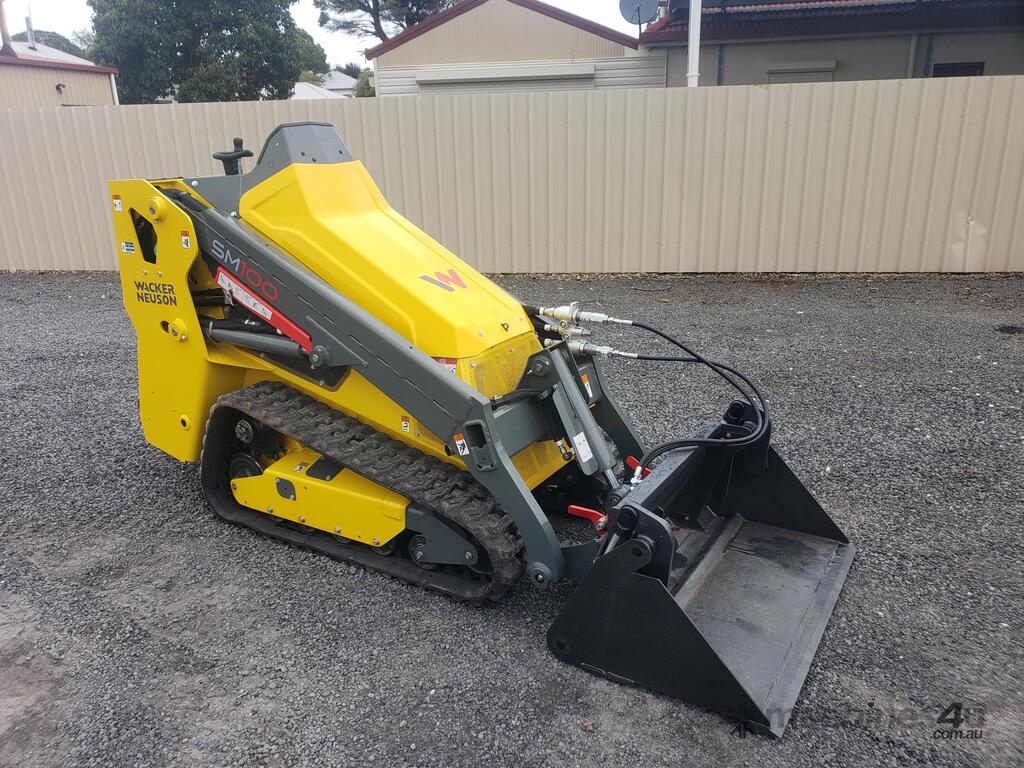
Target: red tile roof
{"points": [[736, 19], [21, 54], [467, 5]]}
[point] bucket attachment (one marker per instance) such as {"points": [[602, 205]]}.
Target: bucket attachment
{"points": [[715, 583]]}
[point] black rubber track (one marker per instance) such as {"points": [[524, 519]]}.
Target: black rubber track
{"points": [[445, 490]]}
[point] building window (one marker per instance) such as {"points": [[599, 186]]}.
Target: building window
{"points": [[959, 69]]}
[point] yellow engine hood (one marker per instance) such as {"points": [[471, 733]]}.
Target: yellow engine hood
{"points": [[334, 219]]}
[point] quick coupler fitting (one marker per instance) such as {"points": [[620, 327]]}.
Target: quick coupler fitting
{"points": [[581, 348], [571, 313], [566, 331]]}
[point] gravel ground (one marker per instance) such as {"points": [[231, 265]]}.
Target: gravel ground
{"points": [[137, 631]]}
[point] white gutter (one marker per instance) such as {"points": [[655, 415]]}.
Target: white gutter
{"points": [[693, 45], [481, 74], [113, 89]]}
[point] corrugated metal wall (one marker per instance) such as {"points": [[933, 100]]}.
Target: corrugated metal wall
{"points": [[22, 87], [899, 175], [625, 72]]}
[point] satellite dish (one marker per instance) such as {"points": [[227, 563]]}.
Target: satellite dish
{"points": [[638, 11]]}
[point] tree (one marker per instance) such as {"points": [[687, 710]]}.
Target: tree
{"points": [[202, 50], [311, 56], [316, 78], [51, 39], [352, 69], [141, 41], [84, 39], [363, 87], [376, 18]]}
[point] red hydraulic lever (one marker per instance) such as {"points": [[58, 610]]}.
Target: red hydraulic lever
{"points": [[599, 521], [632, 462]]}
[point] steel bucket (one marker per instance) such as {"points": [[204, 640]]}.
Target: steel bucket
{"points": [[716, 589]]}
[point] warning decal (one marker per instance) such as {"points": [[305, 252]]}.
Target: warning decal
{"points": [[116, 200], [461, 444], [127, 247], [405, 423], [586, 384], [448, 363], [247, 299], [186, 239], [582, 448], [242, 296]]}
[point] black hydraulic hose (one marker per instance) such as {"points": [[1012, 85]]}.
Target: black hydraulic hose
{"points": [[751, 394], [716, 365], [760, 407]]}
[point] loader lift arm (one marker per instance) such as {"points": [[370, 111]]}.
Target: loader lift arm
{"points": [[351, 336]]}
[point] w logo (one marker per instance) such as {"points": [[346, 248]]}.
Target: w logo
{"points": [[449, 280]]}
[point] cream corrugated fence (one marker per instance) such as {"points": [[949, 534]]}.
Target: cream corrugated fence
{"points": [[889, 176]]}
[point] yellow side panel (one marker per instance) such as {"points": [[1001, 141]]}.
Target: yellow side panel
{"points": [[537, 462], [177, 384], [348, 504], [334, 219], [497, 372]]}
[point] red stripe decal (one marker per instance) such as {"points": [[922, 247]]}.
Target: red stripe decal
{"points": [[258, 306]]}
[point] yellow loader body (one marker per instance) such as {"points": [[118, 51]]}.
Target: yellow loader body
{"points": [[335, 220], [350, 386]]}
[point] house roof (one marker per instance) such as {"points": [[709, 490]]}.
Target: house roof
{"points": [[338, 81], [304, 91], [746, 19], [45, 56], [533, 5]]}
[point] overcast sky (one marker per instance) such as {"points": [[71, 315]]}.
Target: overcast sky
{"points": [[69, 16]]}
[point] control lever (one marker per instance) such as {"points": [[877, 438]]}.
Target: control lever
{"points": [[233, 160]]}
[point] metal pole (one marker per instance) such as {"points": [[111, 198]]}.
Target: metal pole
{"points": [[5, 38], [912, 55], [693, 45]]}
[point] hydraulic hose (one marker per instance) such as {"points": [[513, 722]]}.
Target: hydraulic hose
{"points": [[760, 407], [572, 314]]}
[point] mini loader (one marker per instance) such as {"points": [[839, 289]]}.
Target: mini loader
{"points": [[349, 386]]}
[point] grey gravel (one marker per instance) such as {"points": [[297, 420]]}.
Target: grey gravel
{"points": [[137, 631]]}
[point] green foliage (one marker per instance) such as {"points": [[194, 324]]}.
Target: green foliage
{"points": [[202, 50], [363, 87], [138, 38], [311, 56], [312, 77], [84, 39], [352, 69], [376, 18], [52, 39]]}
